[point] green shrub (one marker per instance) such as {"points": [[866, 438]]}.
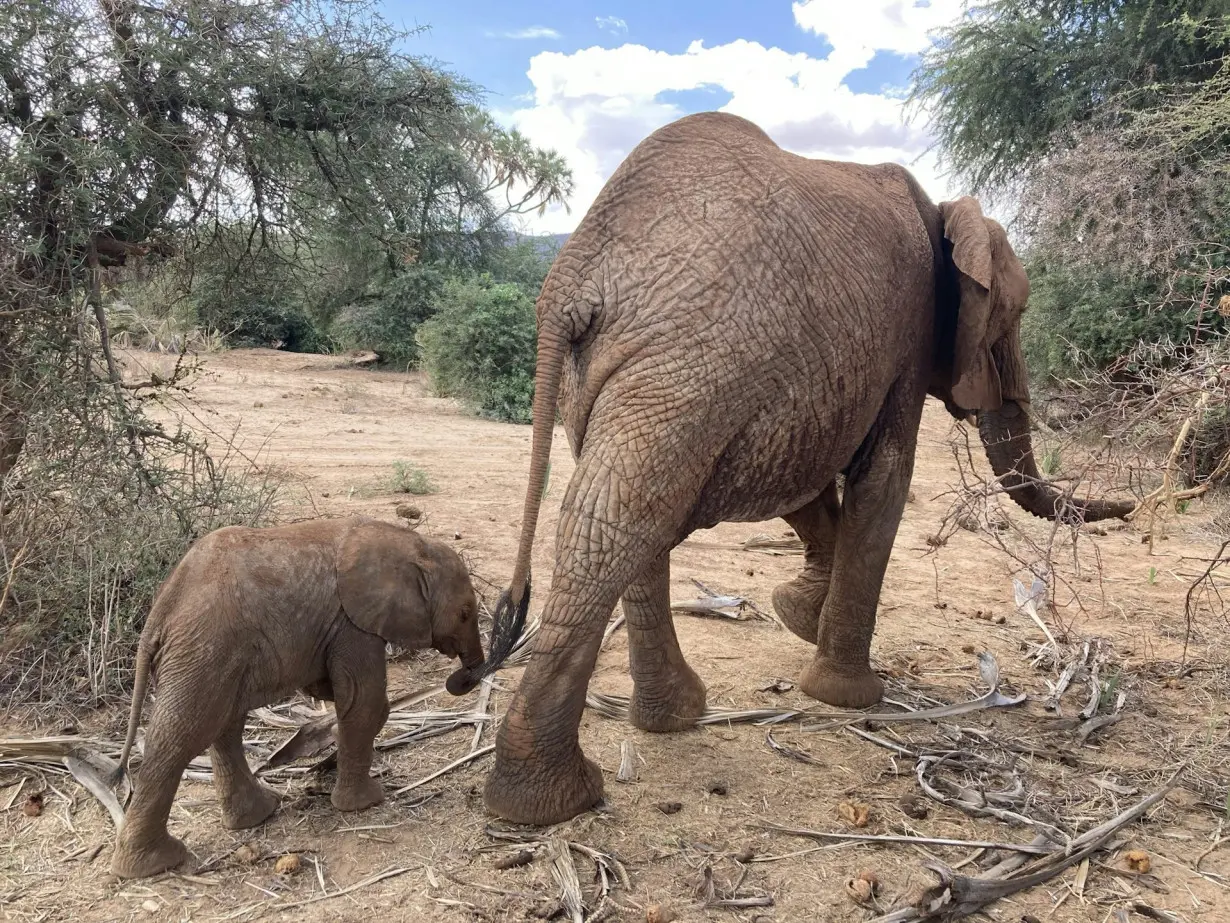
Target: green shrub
{"points": [[1080, 318], [480, 347], [388, 322], [411, 479]]}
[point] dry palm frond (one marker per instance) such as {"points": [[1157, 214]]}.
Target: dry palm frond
{"points": [[765, 544]]}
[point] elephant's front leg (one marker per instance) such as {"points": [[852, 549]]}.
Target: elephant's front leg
{"points": [[357, 677], [666, 694], [877, 484], [245, 802], [799, 602]]}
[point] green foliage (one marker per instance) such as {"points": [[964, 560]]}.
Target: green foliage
{"points": [[387, 322], [1079, 318], [481, 346], [411, 479], [1003, 82]]}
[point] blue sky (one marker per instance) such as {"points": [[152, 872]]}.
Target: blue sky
{"points": [[590, 79]]}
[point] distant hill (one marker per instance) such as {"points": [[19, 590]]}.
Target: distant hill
{"points": [[548, 244]]}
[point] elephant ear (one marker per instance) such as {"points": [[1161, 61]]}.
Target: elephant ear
{"points": [[975, 379], [383, 584]]}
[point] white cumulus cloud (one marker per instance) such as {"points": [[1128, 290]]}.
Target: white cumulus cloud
{"points": [[594, 105]]}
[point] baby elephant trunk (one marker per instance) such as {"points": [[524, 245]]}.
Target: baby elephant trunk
{"points": [[463, 680]]}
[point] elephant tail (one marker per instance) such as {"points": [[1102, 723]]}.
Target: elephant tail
{"points": [[144, 658], [557, 328]]}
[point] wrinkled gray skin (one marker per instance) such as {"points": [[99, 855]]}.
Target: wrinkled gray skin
{"points": [[249, 616], [729, 328]]}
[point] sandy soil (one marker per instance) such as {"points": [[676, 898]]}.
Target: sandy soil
{"points": [[334, 435]]}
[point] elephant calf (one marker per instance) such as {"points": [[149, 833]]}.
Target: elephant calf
{"points": [[249, 616]]}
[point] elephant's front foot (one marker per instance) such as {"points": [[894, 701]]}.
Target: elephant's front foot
{"points": [[357, 794], [249, 806], [798, 604], [844, 685], [542, 788], [667, 702], [144, 860]]}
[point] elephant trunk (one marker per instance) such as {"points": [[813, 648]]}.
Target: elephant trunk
{"points": [[1005, 436]]}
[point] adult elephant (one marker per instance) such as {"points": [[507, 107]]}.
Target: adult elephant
{"points": [[729, 328]]}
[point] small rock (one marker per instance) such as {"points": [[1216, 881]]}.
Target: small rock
{"points": [[258, 404], [669, 807], [150, 906], [746, 854], [457, 536], [324, 493], [913, 806], [246, 854], [717, 787], [659, 913]]}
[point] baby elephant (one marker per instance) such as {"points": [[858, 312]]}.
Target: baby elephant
{"points": [[249, 616]]}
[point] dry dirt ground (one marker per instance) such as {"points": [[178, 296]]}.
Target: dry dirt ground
{"points": [[334, 434]]}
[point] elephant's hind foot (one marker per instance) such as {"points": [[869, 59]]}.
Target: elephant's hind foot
{"points": [[541, 790], [145, 861], [798, 604], [670, 703], [357, 795], [841, 684], [249, 807]]}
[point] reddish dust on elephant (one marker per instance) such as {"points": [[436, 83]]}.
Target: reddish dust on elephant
{"points": [[729, 329], [248, 617]]}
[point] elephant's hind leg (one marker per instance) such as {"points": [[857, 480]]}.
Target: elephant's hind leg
{"points": [[245, 802], [798, 603], [666, 694], [877, 483], [612, 529], [357, 675], [145, 847]]}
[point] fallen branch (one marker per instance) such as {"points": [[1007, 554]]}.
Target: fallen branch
{"points": [[1029, 848], [958, 896]]}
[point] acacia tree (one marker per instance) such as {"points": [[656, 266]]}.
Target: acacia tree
{"points": [[154, 127], [1004, 84], [1081, 114], [191, 134]]}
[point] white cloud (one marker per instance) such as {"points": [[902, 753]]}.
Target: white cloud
{"points": [[612, 24], [528, 32], [596, 104]]}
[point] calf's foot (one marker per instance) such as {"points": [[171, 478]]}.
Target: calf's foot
{"points": [[668, 703], [357, 794], [249, 807]]}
